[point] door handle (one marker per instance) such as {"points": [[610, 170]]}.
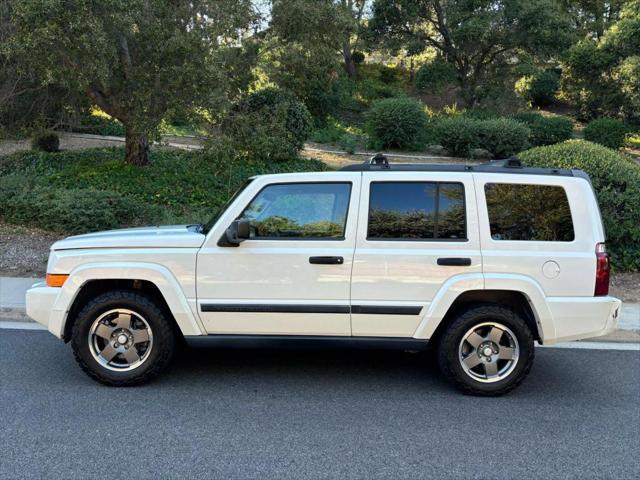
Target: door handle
{"points": [[326, 260], [454, 262]]}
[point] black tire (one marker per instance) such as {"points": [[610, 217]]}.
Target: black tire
{"points": [[448, 354], [161, 352]]}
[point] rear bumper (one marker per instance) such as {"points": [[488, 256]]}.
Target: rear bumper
{"points": [[40, 300], [579, 318]]}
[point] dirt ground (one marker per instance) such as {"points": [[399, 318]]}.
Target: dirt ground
{"points": [[24, 253]]}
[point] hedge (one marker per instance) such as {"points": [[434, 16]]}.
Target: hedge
{"points": [[607, 131], [396, 123], [616, 180], [545, 130]]}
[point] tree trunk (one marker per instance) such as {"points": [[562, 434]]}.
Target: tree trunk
{"points": [[136, 148], [349, 65]]}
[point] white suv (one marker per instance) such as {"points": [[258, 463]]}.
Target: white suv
{"points": [[478, 261]]}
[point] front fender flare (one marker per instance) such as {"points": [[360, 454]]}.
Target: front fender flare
{"points": [[159, 275]]}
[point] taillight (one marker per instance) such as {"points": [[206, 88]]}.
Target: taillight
{"points": [[602, 271]]}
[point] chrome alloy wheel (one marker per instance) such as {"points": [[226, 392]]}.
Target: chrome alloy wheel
{"points": [[120, 340], [488, 352]]}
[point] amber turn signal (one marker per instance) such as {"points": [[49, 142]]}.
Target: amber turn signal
{"points": [[56, 280]]}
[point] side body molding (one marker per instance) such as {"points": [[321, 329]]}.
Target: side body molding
{"points": [[459, 284], [160, 276]]}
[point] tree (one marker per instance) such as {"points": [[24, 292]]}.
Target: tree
{"points": [[593, 17], [602, 76], [479, 38], [331, 24], [135, 59]]}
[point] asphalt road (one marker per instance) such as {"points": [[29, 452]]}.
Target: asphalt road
{"points": [[315, 414]]}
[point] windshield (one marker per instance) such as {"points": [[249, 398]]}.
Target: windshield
{"points": [[209, 225]]}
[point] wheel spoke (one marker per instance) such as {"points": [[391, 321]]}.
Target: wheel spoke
{"points": [[472, 360], [108, 352], [140, 336], [123, 320], [104, 331], [131, 355], [474, 339], [491, 369], [495, 334], [506, 353]]}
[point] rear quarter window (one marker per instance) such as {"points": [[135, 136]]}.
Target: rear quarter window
{"points": [[529, 212]]}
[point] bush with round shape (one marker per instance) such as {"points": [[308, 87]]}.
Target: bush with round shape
{"points": [[45, 141], [616, 180], [396, 123], [545, 130], [460, 135], [269, 124], [607, 131], [357, 57], [539, 89]]}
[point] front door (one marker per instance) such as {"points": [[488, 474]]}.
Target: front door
{"points": [[292, 277]]}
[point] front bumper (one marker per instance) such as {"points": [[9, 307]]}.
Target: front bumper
{"points": [[40, 301], [581, 318]]}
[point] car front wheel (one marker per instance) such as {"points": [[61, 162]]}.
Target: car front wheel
{"points": [[122, 338]]}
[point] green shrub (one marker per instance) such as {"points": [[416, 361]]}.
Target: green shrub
{"points": [[616, 180], [388, 75], [502, 137], [396, 122], [270, 124], [459, 135], [545, 130], [607, 131], [45, 141], [539, 89], [432, 77], [99, 125]]}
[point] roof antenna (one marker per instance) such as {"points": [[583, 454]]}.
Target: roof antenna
{"points": [[380, 160]]}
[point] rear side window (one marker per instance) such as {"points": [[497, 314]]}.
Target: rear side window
{"points": [[416, 211], [528, 212], [299, 211]]}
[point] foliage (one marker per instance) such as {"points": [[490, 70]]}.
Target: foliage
{"points": [[539, 89], [269, 124], [601, 76], [397, 123], [136, 60], [433, 76], [607, 131], [478, 39], [335, 133], [357, 57], [42, 189], [460, 135], [616, 180], [99, 125], [545, 130], [45, 141]]}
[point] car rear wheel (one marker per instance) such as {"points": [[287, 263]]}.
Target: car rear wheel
{"points": [[487, 350], [122, 338]]}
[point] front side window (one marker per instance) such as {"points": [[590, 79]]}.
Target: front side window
{"points": [[416, 211], [299, 211], [528, 212]]}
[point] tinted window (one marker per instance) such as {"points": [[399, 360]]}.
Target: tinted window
{"points": [[300, 210], [416, 210], [528, 212]]}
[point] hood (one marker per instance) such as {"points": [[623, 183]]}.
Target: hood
{"points": [[173, 236]]}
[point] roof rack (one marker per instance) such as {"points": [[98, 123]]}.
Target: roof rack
{"points": [[380, 162]]}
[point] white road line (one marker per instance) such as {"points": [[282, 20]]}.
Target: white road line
{"points": [[21, 326], [635, 347]]}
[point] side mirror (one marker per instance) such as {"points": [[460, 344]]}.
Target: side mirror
{"points": [[238, 232]]}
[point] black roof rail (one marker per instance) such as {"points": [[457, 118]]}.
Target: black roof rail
{"points": [[510, 165]]}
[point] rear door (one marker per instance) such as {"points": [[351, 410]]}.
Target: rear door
{"points": [[416, 230]]}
